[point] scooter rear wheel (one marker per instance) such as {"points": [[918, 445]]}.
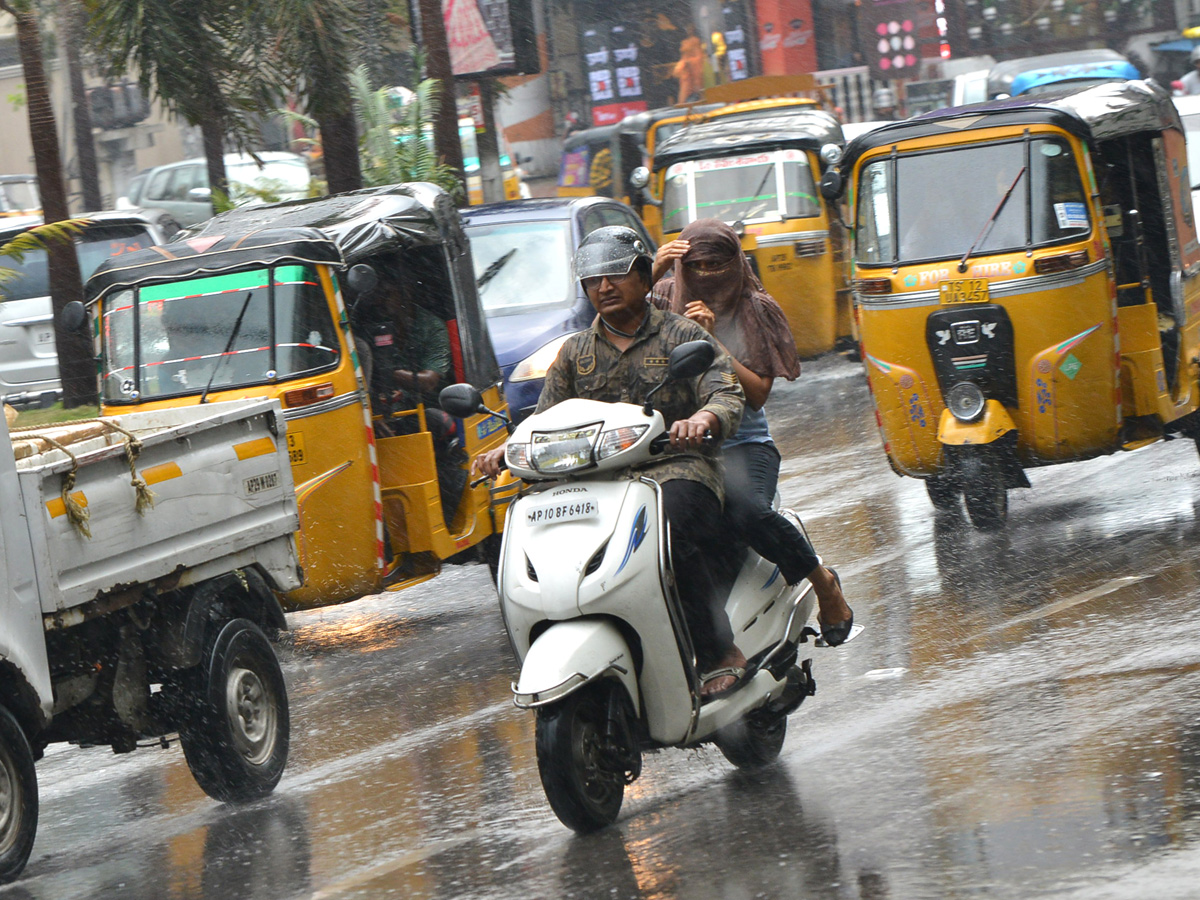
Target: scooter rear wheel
{"points": [[580, 773], [753, 742]]}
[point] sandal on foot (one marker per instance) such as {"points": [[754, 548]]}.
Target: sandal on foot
{"points": [[736, 672], [836, 635]]}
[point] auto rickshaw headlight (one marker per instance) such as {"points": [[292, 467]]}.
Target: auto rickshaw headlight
{"points": [[831, 153], [966, 401]]}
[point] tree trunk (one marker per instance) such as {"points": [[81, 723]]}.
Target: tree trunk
{"points": [[212, 132], [437, 62], [76, 360], [339, 149], [70, 23]]}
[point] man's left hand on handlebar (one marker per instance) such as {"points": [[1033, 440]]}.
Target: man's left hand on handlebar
{"points": [[488, 464], [690, 432]]}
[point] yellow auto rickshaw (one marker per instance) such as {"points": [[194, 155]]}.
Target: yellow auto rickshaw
{"points": [[263, 302], [1025, 285], [756, 166]]}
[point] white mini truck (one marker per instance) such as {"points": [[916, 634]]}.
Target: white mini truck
{"points": [[139, 560]]}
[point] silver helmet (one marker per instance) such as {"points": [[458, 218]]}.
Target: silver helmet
{"points": [[611, 250]]}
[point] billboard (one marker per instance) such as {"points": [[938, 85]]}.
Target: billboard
{"points": [[491, 37], [614, 72]]}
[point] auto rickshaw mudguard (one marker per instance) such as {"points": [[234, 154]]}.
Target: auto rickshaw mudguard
{"points": [[987, 429]]}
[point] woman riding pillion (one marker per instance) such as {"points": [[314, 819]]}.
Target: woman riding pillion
{"points": [[620, 359], [712, 284]]}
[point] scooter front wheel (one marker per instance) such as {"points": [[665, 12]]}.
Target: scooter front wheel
{"points": [[581, 772]]}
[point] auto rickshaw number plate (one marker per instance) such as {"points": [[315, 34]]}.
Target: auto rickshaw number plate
{"points": [[963, 290]]}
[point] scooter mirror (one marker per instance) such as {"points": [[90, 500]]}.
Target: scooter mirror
{"points": [[361, 279], [461, 400], [691, 359], [73, 316]]}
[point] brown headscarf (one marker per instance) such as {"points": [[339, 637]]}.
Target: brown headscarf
{"points": [[749, 322]]}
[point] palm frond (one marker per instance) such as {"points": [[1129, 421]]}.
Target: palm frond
{"points": [[40, 237]]}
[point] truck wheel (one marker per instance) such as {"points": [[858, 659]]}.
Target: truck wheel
{"points": [[235, 734], [752, 742], [580, 774], [18, 798]]}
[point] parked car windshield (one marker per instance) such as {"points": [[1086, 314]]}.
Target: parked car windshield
{"points": [[184, 329], [519, 265], [97, 243], [769, 186], [939, 204]]}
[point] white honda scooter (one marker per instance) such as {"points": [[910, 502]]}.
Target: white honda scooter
{"points": [[590, 603]]}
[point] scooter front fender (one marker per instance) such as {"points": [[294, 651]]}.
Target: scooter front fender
{"points": [[570, 654], [987, 429]]}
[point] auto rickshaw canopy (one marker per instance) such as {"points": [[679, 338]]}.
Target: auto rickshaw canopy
{"points": [[1099, 113], [800, 127], [339, 231]]}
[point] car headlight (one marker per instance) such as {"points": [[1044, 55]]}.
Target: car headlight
{"points": [[538, 362], [965, 401], [558, 452]]}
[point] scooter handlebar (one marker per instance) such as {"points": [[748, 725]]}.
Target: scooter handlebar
{"points": [[663, 441]]}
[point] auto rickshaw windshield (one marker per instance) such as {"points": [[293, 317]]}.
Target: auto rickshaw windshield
{"points": [[236, 329], [768, 186], [941, 203]]}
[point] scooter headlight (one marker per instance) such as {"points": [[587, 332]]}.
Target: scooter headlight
{"points": [[966, 401], [559, 452]]}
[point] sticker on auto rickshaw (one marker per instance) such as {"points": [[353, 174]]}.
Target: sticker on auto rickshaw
{"points": [[963, 290]]}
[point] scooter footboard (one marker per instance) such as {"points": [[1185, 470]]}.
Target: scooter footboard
{"points": [[568, 655]]}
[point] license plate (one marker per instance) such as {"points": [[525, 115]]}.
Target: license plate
{"points": [[963, 290], [41, 338], [562, 511]]}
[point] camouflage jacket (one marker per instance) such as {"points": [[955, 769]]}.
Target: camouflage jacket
{"points": [[589, 366]]}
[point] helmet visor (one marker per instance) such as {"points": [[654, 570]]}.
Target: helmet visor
{"points": [[594, 260]]}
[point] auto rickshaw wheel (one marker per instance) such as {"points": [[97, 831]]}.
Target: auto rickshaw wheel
{"points": [[985, 490], [943, 493]]}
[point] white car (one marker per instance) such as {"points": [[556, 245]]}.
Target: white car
{"points": [[28, 358], [182, 188]]}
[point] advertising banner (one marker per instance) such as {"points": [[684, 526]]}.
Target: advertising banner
{"points": [[786, 41]]}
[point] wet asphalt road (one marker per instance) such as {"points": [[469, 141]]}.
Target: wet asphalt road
{"points": [[1020, 719]]}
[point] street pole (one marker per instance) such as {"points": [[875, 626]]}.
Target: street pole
{"points": [[489, 146]]}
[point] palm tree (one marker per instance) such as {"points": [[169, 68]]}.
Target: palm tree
{"points": [[75, 364], [71, 17], [190, 54], [396, 152], [315, 49]]}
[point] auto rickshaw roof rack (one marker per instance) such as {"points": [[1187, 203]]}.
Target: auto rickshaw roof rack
{"points": [[1101, 112], [802, 127], [767, 87]]}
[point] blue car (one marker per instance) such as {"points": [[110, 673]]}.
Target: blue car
{"points": [[522, 251]]}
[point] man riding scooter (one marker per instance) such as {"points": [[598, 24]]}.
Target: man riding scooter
{"points": [[621, 358]]}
